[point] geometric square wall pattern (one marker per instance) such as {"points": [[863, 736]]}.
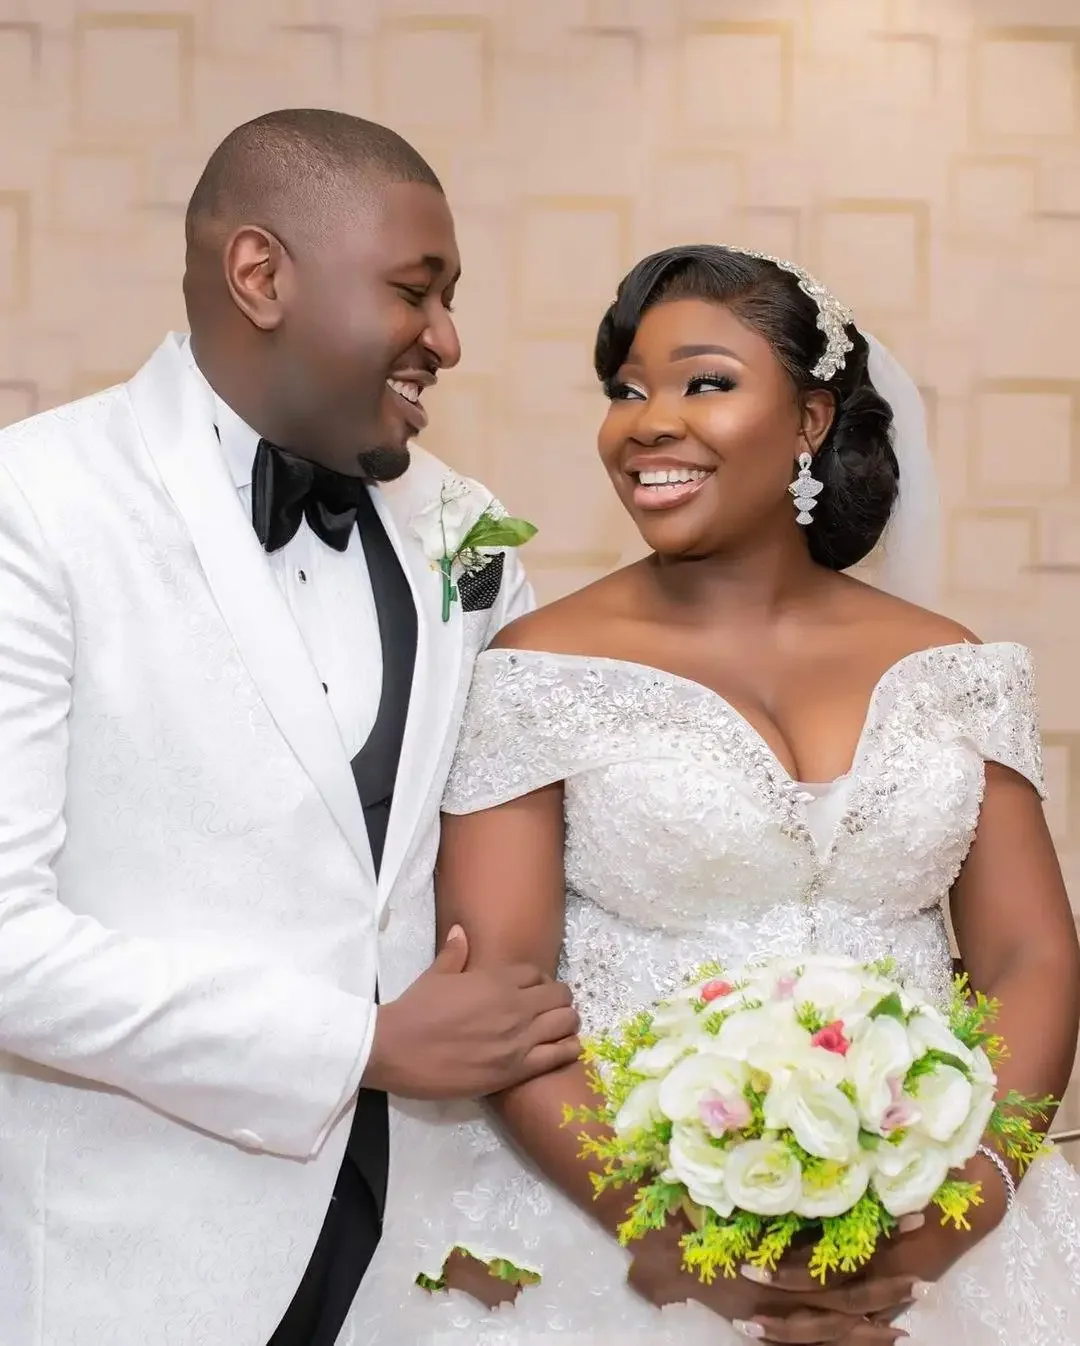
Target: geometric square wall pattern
{"points": [[15, 223], [990, 550], [876, 253], [92, 188], [735, 78], [1024, 82], [20, 62], [1026, 438], [133, 69], [435, 72], [585, 237], [991, 196], [18, 399]]}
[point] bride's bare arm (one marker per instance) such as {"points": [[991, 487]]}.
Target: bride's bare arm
{"points": [[1017, 937], [500, 877]]}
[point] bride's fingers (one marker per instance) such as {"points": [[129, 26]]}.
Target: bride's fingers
{"points": [[810, 1328], [792, 1277], [882, 1295], [806, 1327]]}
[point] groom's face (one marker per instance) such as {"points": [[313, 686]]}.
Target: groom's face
{"points": [[366, 328]]}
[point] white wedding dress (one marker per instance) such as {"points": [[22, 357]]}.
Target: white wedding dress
{"points": [[686, 840]]}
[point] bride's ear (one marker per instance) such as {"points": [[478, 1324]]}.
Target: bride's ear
{"points": [[817, 413]]}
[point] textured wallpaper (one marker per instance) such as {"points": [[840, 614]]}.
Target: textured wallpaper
{"points": [[922, 155]]}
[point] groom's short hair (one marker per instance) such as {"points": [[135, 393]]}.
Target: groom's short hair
{"points": [[296, 160]]}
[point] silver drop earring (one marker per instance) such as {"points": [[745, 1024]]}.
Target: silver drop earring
{"points": [[805, 489]]}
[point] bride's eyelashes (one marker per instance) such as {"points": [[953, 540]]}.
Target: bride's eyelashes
{"points": [[709, 383], [617, 391]]}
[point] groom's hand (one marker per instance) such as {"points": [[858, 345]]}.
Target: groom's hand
{"points": [[463, 1033]]}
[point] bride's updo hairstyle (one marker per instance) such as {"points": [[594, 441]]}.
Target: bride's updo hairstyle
{"points": [[855, 462]]}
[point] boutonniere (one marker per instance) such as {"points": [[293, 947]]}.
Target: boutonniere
{"points": [[461, 529]]}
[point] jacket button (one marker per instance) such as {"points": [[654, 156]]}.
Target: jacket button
{"points": [[384, 918]]}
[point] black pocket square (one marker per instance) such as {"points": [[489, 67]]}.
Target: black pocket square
{"points": [[479, 589]]}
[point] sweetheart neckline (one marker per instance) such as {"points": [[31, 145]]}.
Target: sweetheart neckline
{"points": [[789, 781]]}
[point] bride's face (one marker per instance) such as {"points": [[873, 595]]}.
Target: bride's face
{"points": [[703, 430]]}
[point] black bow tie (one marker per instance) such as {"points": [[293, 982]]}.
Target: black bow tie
{"points": [[285, 490]]}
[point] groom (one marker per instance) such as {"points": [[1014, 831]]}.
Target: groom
{"points": [[228, 700]]}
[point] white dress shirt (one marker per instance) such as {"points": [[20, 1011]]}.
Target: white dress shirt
{"points": [[328, 592]]}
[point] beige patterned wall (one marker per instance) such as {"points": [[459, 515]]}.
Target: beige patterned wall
{"points": [[922, 155]]}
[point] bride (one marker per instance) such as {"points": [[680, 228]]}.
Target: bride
{"points": [[732, 749]]}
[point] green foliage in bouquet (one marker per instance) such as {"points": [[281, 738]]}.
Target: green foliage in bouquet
{"points": [[1012, 1124], [721, 1244], [499, 1267]]}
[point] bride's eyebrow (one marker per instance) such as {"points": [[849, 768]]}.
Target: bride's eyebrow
{"points": [[689, 353]]}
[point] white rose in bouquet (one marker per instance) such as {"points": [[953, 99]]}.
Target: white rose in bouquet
{"points": [[944, 1098], [967, 1138], [878, 1062], [763, 1177], [908, 1174], [818, 1115], [699, 1166], [709, 1089], [770, 1038], [640, 1108], [928, 1031], [835, 1193]]}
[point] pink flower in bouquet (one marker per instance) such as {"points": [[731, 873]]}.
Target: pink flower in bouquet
{"points": [[785, 987], [721, 1115], [716, 990], [899, 1113], [832, 1038]]}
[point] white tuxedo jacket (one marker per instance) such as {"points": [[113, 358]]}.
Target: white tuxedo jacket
{"points": [[188, 907]]}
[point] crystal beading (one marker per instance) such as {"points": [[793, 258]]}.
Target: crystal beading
{"points": [[805, 489]]}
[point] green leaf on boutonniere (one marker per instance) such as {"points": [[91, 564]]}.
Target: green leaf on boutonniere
{"points": [[491, 532]]}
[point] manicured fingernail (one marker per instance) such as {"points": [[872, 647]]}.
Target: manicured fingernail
{"points": [[456, 932], [759, 1275], [908, 1224], [921, 1289], [744, 1329]]}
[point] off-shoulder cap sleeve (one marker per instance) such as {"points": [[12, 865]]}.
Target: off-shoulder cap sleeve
{"points": [[532, 719], [994, 701]]}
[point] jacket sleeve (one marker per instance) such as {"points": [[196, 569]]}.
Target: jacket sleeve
{"points": [[262, 1056]]}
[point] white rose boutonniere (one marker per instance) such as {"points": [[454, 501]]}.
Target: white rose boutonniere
{"points": [[461, 529]]}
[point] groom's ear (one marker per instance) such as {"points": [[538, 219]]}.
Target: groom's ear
{"points": [[818, 411], [256, 272]]}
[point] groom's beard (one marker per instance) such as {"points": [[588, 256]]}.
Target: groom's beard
{"points": [[383, 464]]}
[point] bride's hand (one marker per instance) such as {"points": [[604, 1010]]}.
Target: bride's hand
{"points": [[927, 1254], [788, 1306], [915, 1259]]}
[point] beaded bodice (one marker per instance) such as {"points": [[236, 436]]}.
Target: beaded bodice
{"points": [[686, 839]]}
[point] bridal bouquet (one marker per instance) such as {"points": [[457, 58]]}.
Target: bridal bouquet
{"points": [[812, 1095]]}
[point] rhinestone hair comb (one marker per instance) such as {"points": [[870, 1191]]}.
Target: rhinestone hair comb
{"points": [[833, 317]]}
